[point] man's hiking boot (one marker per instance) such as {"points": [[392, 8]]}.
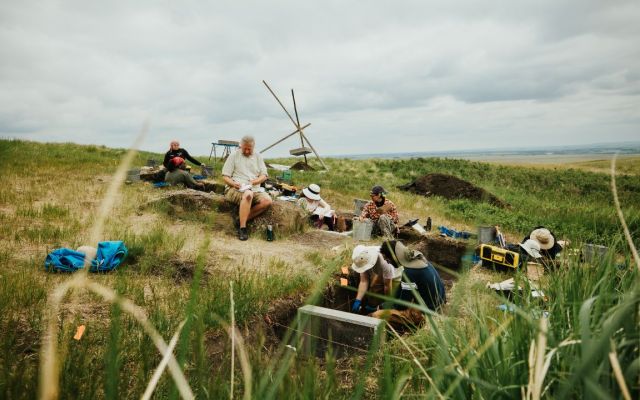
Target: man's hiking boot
{"points": [[242, 234]]}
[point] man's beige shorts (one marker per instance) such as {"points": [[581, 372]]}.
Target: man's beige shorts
{"points": [[234, 196]]}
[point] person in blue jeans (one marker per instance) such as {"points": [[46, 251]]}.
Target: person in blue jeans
{"points": [[419, 276]]}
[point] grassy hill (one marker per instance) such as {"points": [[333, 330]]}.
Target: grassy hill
{"points": [[180, 269]]}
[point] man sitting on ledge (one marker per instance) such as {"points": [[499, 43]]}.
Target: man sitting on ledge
{"points": [[243, 172], [382, 212]]}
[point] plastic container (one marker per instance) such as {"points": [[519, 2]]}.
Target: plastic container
{"points": [[362, 229], [133, 175], [206, 171], [593, 252], [486, 234]]}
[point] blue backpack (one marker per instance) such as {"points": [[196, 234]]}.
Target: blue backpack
{"points": [[108, 257]]}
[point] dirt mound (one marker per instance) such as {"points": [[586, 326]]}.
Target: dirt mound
{"points": [[450, 187], [301, 166], [285, 217]]}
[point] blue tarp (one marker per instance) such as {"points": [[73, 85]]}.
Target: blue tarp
{"points": [[108, 257], [453, 233]]}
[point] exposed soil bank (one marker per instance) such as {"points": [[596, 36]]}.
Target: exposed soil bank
{"points": [[450, 187]]}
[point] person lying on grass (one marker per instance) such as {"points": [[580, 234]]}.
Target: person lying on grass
{"points": [[549, 245]]}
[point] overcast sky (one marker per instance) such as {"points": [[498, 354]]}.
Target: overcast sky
{"points": [[370, 76]]}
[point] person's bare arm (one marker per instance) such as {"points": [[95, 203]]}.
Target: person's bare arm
{"points": [[231, 182], [362, 286], [387, 287], [258, 180]]}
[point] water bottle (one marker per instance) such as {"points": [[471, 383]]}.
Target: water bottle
{"points": [[270, 236]]}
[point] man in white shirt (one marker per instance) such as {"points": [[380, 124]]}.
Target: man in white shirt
{"points": [[243, 172]]}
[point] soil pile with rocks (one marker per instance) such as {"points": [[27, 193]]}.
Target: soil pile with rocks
{"points": [[301, 166], [450, 187]]}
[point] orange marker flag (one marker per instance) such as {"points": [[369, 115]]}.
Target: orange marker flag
{"points": [[79, 332], [344, 282]]}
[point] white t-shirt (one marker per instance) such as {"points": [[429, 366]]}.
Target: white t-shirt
{"points": [[317, 207], [243, 169], [388, 271]]}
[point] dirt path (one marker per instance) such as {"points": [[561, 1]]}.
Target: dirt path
{"points": [[228, 252]]}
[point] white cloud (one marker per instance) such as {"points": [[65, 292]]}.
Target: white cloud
{"points": [[370, 77]]}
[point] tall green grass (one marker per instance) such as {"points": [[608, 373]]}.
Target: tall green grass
{"points": [[473, 350]]}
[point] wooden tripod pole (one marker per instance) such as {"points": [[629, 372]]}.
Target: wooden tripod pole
{"points": [[298, 124], [279, 102], [286, 137], [299, 129], [314, 151]]}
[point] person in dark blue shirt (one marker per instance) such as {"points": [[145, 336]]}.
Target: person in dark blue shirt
{"points": [[419, 275]]}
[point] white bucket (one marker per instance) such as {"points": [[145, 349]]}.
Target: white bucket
{"points": [[362, 229], [358, 206], [486, 234]]}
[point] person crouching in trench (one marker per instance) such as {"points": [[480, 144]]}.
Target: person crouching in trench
{"points": [[420, 282]]}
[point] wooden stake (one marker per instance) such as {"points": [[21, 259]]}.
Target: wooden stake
{"points": [[295, 109], [279, 102], [286, 137]]}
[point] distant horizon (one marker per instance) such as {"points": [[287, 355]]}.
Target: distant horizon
{"points": [[634, 147], [625, 147]]}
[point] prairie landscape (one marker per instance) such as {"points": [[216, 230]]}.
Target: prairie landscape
{"points": [[193, 280]]}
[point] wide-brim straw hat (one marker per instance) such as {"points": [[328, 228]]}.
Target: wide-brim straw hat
{"points": [[532, 247], [410, 258], [364, 258], [544, 237], [312, 191]]}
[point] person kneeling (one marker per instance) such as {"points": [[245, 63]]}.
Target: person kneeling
{"points": [[420, 281], [382, 212], [177, 174]]}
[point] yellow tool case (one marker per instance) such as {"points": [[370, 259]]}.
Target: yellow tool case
{"points": [[497, 256]]}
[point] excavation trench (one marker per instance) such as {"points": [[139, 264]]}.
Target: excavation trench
{"points": [[279, 323]]}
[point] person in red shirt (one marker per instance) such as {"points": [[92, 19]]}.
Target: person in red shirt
{"points": [[382, 212]]}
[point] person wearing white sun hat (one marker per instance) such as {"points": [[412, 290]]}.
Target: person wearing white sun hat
{"points": [[394, 262], [532, 248], [549, 246], [320, 210], [373, 268], [420, 277]]}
